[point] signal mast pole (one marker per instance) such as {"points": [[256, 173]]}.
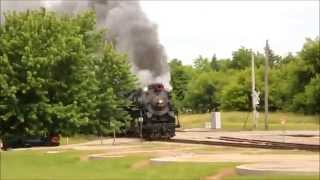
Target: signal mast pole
{"points": [[253, 93], [0, 12], [266, 86]]}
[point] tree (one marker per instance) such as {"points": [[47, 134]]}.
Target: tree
{"points": [[236, 94], [202, 64], [203, 93], [308, 101], [115, 82], [52, 76], [310, 54], [241, 58], [293, 81], [214, 63], [224, 64], [180, 77], [308, 78], [287, 59], [312, 96]]}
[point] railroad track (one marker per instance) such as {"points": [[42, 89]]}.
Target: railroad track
{"points": [[249, 143], [285, 145]]}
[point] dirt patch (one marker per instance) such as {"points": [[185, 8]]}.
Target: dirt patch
{"points": [[222, 174], [140, 164]]}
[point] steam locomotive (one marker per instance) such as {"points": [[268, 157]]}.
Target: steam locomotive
{"points": [[153, 113]]}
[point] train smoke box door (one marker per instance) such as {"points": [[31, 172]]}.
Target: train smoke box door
{"points": [[215, 120]]}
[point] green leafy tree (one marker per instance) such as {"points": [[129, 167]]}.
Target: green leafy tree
{"points": [[312, 96], [292, 81], [115, 84], [287, 59], [241, 58], [203, 93], [41, 53], [180, 78], [310, 54], [308, 101], [236, 94], [214, 63], [202, 64], [224, 64], [307, 72], [52, 76]]}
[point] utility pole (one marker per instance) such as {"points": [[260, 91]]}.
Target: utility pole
{"points": [[253, 93], [0, 12], [266, 85]]}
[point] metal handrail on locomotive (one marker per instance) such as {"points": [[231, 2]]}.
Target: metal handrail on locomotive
{"points": [[153, 112]]}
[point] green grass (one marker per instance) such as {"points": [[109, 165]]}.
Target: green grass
{"points": [[272, 177], [242, 121], [69, 165]]}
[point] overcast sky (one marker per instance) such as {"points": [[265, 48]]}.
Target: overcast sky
{"points": [[188, 29]]}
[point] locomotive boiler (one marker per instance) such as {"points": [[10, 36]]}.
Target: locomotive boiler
{"points": [[153, 113]]}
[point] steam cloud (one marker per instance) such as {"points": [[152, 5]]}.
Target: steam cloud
{"points": [[128, 28]]}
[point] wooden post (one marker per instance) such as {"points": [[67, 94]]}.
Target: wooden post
{"points": [[266, 86]]}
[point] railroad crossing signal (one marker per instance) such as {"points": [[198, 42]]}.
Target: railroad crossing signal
{"points": [[256, 98]]}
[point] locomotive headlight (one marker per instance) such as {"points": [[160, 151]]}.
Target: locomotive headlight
{"points": [[140, 119], [145, 89], [160, 101]]}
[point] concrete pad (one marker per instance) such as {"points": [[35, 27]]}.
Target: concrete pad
{"points": [[280, 168], [260, 164], [237, 157]]}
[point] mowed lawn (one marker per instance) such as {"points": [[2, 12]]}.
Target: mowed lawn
{"points": [[72, 165], [243, 121], [31, 164]]}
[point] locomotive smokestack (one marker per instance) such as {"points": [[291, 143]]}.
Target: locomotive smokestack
{"points": [[129, 29]]}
